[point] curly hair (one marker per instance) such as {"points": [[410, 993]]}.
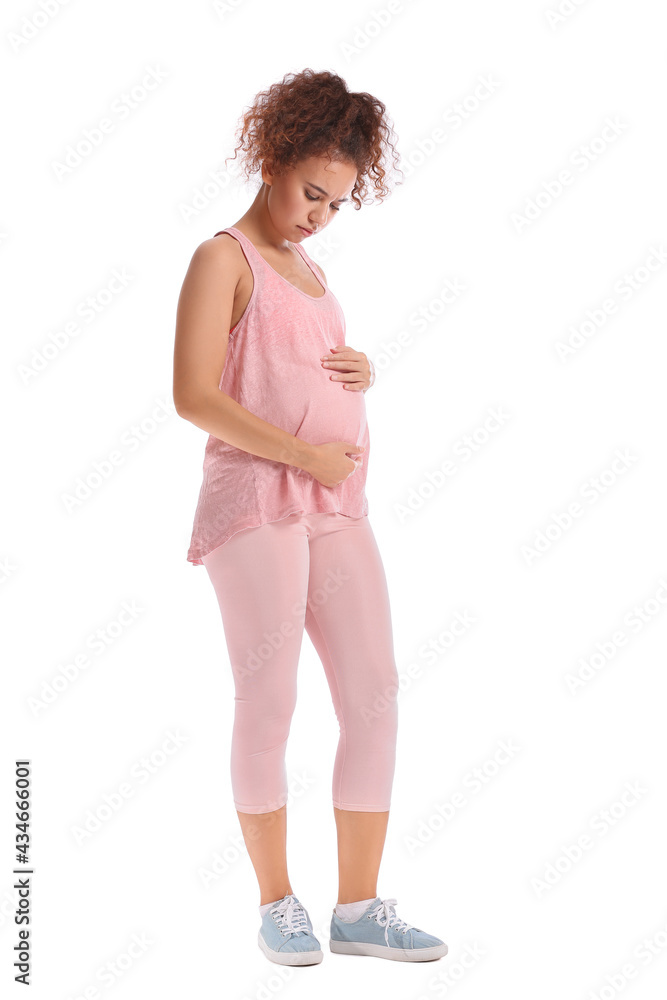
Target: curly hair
{"points": [[314, 114]]}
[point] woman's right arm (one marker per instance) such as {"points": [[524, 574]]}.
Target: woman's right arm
{"points": [[203, 320]]}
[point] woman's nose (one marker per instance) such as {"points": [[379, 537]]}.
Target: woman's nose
{"points": [[320, 218]]}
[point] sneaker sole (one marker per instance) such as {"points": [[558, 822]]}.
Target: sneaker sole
{"points": [[289, 957], [381, 951]]}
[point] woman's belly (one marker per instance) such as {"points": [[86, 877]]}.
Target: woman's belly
{"points": [[307, 403], [329, 413]]}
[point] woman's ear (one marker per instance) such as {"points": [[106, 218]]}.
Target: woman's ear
{"points": [[267, 172]]}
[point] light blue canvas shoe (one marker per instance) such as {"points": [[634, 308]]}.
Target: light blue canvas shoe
{"points": [[380, 933], [286, 935]]}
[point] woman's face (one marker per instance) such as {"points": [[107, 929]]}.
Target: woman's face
{"points": [[306, 198]]}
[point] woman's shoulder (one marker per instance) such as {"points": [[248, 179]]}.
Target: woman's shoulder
{"points": [[222, 251], [221, 245]]}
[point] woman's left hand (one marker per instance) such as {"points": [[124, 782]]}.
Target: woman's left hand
{"points": [[350, 367]]}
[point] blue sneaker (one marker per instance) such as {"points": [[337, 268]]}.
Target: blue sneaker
{"points": [[380, 933], [286, 935]]}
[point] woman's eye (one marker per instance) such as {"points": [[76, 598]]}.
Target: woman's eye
{"points": [[336, 208]]}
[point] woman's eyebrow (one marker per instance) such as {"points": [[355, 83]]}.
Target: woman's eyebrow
{"points": [[322, 191]]}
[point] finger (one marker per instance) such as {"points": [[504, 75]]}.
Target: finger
{"points": [[350, 366], [345, 349], [345, 377], [341, 358]]}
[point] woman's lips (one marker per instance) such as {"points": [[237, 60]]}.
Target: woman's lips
{"points": [[308, 232]]}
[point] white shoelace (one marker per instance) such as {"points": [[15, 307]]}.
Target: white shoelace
{"points": [[290, 916], [386, 917]]}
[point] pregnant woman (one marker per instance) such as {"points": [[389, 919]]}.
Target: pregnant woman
{"points": [[282, 519]]}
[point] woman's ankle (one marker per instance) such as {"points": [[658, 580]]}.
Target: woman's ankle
{"points": [[272, 898]]}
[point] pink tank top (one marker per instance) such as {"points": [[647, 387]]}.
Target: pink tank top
{"points": [[273, 369]]}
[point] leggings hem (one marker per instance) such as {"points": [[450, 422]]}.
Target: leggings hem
{"points": [[349, 807], [258, 810]]}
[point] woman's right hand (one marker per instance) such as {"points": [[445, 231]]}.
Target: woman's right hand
{"points": [[330, 464]]}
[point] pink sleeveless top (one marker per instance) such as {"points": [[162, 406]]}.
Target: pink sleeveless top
{"points": [[273, 369]]}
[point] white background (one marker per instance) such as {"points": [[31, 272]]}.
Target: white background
{"points": [[493, 879]]}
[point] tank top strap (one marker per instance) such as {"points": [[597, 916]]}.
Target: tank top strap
{"points": [[309, 262], [244, 241], [261, 272]]}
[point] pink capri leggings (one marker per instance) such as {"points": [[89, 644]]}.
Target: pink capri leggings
{"points": [[323, 571]]}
